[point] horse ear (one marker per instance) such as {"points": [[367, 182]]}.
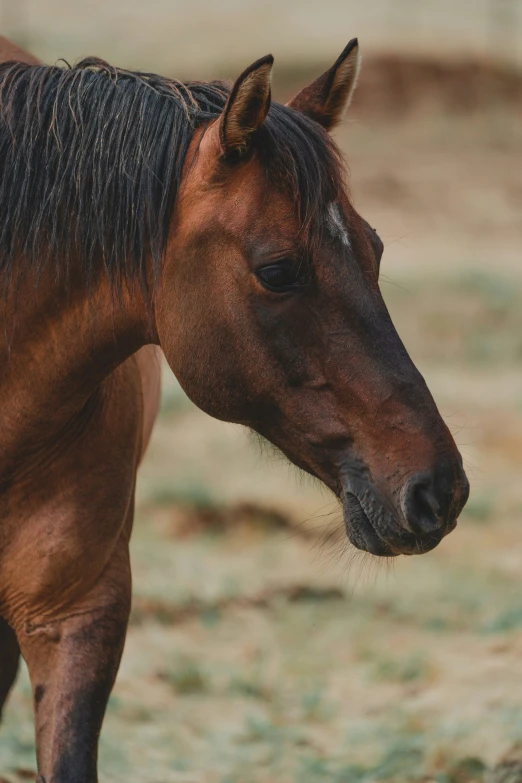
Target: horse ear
{"points": [[247, 107], [327, 99]]}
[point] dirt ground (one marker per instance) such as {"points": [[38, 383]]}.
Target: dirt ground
{"points": [[262, 649]]}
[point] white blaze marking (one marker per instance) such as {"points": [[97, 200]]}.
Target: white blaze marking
{"points": [[336, 224]]}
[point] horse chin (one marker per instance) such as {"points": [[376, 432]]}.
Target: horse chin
{"points": [[375, 531]]}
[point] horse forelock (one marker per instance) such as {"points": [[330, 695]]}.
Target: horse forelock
{"points": [[92, 157]]}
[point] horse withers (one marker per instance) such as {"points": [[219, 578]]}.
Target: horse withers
{"points": [[135, 212]]}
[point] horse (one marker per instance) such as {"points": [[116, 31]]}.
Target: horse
{"points": [[140, 213]]}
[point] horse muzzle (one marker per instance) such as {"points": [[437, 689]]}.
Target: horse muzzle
{"points": [[426, 510]]}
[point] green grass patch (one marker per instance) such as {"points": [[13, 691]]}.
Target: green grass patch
{"points": [[193, 494], [186, 677], [472, 317], [173, 399], [480, 507], [509, 620], [410, 668]]}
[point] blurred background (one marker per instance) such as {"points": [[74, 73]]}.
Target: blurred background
{"points": [[261, 648]]}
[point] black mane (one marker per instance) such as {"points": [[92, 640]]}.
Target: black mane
{"points": [[91, 160]]}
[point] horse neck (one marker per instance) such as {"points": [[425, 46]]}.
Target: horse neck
{"points": [[57, 346]]}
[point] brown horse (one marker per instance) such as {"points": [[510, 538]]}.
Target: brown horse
{"points": [[136, 211]]}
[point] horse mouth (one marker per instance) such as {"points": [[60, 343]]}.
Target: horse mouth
{"points": [[374, 530]]}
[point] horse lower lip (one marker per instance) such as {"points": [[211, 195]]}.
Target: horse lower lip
{"points": [[360, 530], [364, 535]]}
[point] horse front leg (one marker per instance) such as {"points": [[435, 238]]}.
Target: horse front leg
{"points": [[9, 660], [73, 662]]}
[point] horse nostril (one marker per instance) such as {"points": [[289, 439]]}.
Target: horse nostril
{"points": [[420, 506]]}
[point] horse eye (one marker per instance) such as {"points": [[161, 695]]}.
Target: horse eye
{"points": [[281, 277]]}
